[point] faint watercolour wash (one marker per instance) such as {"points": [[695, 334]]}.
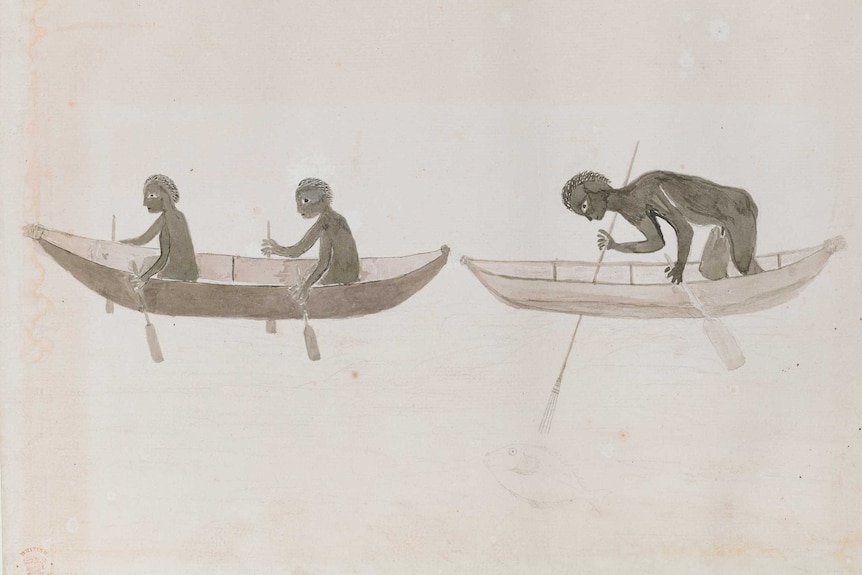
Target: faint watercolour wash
{"points": [[636, 449]]}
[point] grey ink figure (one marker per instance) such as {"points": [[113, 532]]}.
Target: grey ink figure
{"points": [[338, 261], [680, 200], [176, 259]]}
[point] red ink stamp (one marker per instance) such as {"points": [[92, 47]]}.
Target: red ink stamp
{"points": [[34, 561]]}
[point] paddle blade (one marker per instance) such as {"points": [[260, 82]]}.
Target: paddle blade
{"points": [[153, 343], [311, 343], [724, 343]]}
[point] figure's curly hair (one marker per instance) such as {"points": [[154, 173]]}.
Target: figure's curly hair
{"points": [[318, 185], [166, 184], [579, 179]]}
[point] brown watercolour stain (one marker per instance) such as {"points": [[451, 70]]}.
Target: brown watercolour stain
{"points": [[850, 551], [740, 551], [39, 346], [32, 179]]}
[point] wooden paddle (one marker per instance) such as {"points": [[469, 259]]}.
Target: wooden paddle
{"points": [[550, 408], [311, 346], [270, 323], [310, 338], [109, 304], [722, 340], [152, 337]]}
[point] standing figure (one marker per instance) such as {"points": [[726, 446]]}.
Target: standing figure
{"points": [[177, 258], [338, 262], [680, 200]]}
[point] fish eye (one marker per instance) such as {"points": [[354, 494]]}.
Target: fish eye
{"points": [[304, 200], [513, 451], [585, 205]]}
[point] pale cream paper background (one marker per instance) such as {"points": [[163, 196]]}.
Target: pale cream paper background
{"points": [[434, 122]]}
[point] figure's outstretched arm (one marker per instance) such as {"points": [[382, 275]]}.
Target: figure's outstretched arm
{"points": [[308, 240], [653, 242], [148, 235]]}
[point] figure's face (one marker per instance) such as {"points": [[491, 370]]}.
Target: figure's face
{"points": [[310, 202], [583, 202], [154, 198]]}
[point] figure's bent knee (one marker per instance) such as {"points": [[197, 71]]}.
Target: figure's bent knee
{"points": [[716, 255], [754, 267]]}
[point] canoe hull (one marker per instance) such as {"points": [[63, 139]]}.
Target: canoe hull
{"points": [[227, 300], [519, 285]]}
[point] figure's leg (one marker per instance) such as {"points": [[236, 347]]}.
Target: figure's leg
{"points": [[754, 267], [340, 273], [147, 263], [743, 238], [716, 255]]}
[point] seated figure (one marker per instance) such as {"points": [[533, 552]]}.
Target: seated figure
{"points": [[338, 259], [176, 259]]}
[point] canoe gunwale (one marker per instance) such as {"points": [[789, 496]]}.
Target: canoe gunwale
{"points": [[476, 264], [442, 251], [232, 299], [545, 291]]}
